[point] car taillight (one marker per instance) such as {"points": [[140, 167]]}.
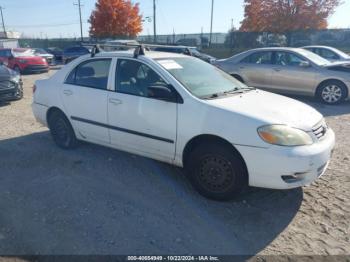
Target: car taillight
{"points": [[34, 88]]}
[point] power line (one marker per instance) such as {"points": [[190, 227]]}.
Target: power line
{"points": [[3, 23], [81, 23]]}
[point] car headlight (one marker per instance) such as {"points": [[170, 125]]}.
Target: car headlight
{"points": [[284, 135], [23, 61], [16, 78]]}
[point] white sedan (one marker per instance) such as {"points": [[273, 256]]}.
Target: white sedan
{"points": [[183, 111]]}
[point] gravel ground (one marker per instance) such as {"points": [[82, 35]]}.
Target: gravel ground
{"points": [[95, 200]]}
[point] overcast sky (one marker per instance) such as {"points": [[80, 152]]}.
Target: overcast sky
{"points": [[41, 18]]}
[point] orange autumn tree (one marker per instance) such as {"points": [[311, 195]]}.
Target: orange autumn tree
{"points": [[283, 16], [115, 18]]}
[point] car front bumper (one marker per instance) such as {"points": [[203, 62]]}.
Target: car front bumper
{"points": [[13, 93], [280, 167], [35, 69]]}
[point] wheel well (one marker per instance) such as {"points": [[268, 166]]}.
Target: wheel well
{"points": [[206, 139], [330, 80], [238, 77]]}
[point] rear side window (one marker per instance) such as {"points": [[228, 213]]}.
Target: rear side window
{"points": [[93, 73], [260, 58]]}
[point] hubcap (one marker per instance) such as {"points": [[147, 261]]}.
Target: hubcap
{"points": [[332, 94], [216, 174]]}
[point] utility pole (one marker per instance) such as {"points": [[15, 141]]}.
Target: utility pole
{"points": [[3, 23], [81, 23], [211, 23], [154, 22]]}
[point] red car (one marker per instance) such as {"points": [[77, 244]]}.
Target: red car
{"points": [[23, 60]]}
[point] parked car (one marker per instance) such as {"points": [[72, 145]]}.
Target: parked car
{"points": [[23, 60], [290, 71], [11, 87], [329, 53], [71, 53], [186, 112], [44, 54], [56, 52], [186, 50]]}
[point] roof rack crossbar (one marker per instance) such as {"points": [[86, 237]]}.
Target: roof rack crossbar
{"points": [[139, 48]]}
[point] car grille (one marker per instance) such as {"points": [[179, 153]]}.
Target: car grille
{"points": [[7, 85], [320, 130]]}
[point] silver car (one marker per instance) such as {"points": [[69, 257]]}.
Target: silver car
{"points": [[291, 71], [330, 53]]}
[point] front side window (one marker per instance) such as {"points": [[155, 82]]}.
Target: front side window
{"points": [[135, 78], [260, 58], [288, 59], [328, 54], [93, 73]]}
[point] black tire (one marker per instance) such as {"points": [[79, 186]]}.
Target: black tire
{"points": [[217, 172], [17, 69], [62, 131], [332, 92]]}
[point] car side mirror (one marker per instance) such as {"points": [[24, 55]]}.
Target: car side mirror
{"points": [[304, 64], [162, 92]]}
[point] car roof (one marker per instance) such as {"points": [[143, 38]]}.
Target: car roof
{"points": [[149, 54], [275, 49], [318, 46]]}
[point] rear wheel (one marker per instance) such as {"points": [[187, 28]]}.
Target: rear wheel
{"points": [[217, 172], [17, 69], [62, 131], [332, 92]]}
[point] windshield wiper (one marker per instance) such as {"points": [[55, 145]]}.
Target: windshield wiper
{"points": [[236, 90]]}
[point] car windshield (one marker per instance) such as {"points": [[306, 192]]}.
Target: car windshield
{"points": [[22, 53], [200, 78], [320, 61]]}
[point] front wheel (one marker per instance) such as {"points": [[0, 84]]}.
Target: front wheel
{"points": [[217, 171], [332, 92], [62, 131]]}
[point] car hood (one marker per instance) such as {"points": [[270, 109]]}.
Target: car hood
{"points": [[7, 73], [32, 59], [345, 63], [268, 108]]}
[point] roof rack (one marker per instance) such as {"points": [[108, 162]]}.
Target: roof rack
{"points": [[139, 48]]}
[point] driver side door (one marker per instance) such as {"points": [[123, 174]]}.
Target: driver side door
{"points": [[140, 122]]}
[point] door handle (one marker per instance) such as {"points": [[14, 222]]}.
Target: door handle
{"points": [[277, 69], [241, 67], [67, 92], [115, 101]]}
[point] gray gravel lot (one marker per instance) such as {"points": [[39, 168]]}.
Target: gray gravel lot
{"points": [[95, 200]]}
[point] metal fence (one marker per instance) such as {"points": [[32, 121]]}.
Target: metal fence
{"points": [[235, 40]]}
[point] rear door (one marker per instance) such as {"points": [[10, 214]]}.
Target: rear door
{"points": [[290, 75], [256, 69], [85, 94]]}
